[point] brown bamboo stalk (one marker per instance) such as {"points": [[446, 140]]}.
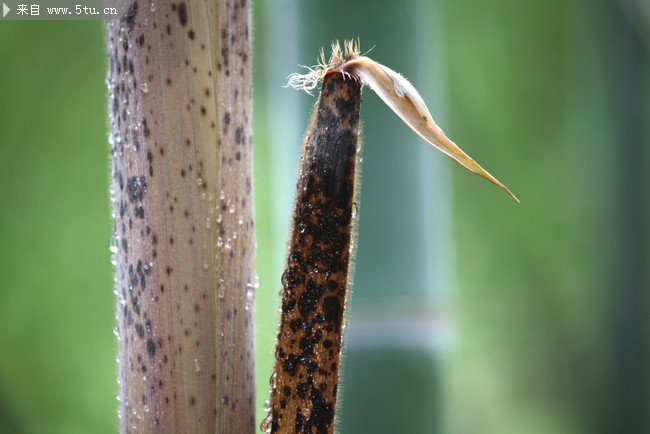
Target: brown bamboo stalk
{"points": [[305, 381], [180, 102]]}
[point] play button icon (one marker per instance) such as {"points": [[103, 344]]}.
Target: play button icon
{"points": [[5, 10]]}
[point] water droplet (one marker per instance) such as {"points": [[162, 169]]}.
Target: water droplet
{"points": [[232, 208], [199, 181], [265, 426], [144, 87], [240, 220], [146, 409], [114, 259], [197, 365], [234, 235], [153, 7], [219, 218], [222, 195], [208, 224], [219, 242], [257, 281], [113, 243], [250, 295], [228, 244], [222, 288]]}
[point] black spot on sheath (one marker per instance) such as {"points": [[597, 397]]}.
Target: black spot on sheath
{"points": [[141, 40], [333, 310], [139, 329], [291, 364], [302, 388], [145, 129], [136, 187], [299, 421], [239, 134], [191, 34], [322, 413], [182, 13], [330, 86], [345, 107], [151, 348], [310, 297], [130, 16]]}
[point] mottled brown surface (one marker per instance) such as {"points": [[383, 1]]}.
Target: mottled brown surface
{"points": [[303, 397], [179, 84]]}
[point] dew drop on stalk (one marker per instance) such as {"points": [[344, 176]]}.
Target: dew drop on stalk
{"points": [[266, 423], [113, 243]]}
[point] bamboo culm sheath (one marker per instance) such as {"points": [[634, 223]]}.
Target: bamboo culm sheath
{"points": [[316, 279]]}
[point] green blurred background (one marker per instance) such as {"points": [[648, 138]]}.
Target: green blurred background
{"points": [[470, 313]]}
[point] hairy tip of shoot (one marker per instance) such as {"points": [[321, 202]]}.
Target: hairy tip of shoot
{"points": [[310, 80], [396, 92]]}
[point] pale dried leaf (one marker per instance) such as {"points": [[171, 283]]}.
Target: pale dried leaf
{"points": [[406, 102]]}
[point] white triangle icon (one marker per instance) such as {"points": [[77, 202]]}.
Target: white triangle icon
{"points": [[5, 10]]}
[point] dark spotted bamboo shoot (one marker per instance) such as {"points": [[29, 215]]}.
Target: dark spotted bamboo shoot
{"points": [[305, 382]]}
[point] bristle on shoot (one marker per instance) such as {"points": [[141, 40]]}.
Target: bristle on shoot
{"points": [[310, 80]]}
